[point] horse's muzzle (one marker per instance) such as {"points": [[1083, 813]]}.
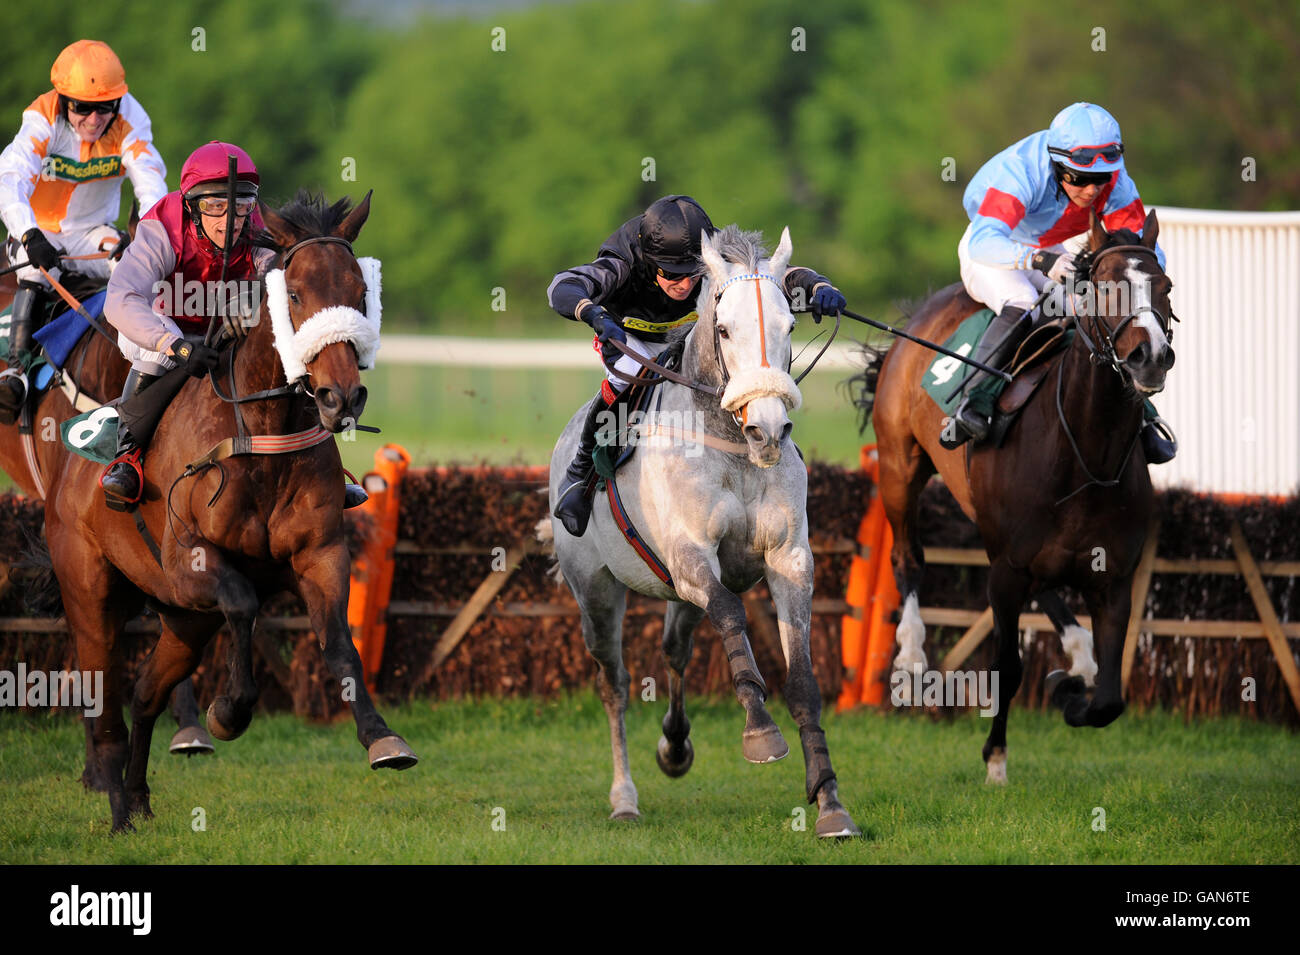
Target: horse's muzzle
{"points": [[339, 411], [766, 427], [1148, 370]]}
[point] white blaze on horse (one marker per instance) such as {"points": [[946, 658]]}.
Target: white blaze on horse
{"points": [[717, 492]]}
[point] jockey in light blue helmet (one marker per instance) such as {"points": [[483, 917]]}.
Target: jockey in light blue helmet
{"points": [[1030, 208]]}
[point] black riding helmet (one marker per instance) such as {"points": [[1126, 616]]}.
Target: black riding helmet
{"points": [[670, 235]]}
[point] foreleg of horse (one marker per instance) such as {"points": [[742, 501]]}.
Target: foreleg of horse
{"points": [[323, 584], [97, 618], [603, 601], [230, 713], [902, 478], [696, 576], [1110, 612], [174, 658], [191, 738], [675, 753], [789, 577], [1075, 641], [1007, 592]]}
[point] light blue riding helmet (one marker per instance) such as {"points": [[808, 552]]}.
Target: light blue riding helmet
{"points": [[1087, 138]]}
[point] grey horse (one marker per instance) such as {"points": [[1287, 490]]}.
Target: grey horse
{"points": [[717, 490]]}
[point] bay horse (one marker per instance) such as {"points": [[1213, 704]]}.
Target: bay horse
{"points": [[721, 498], [232, 534], [100, 381], [1068, 486]]}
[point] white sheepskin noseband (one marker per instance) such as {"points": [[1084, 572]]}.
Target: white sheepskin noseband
{"points": [[338, 323], [751, 383]]}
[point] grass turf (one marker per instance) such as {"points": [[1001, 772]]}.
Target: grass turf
{"points": [[1219, 791]]}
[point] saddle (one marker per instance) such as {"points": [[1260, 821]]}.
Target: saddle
{"points": [[1036, 356], [614, 449]]}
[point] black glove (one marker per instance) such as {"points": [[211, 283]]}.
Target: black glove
{"points": [[39, 250], [197, 357]]}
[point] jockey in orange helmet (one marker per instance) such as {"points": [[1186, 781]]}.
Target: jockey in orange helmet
{"points": [[60, 184]]}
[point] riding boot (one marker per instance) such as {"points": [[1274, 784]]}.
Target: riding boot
{"points": [[1159, 444], [123, 480], [354, 495], [974, 415], [13, 380], [574, 505]]}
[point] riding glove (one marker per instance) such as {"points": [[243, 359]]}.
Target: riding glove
{"points": [[39, 250], [826, 300], [197, 357], [1055, 265]]}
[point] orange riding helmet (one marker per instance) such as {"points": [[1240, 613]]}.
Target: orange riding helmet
{"points": [[90, 71]]}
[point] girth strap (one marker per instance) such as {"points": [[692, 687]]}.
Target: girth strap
{"points": [[633, 537], [261, 444]]}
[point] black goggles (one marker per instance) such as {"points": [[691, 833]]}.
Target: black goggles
{"points": [[1084, 179], [1087, 155], [105, 108]]}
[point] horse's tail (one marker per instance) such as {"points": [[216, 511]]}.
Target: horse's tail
{"points": [[862, 386], [43, 598]]}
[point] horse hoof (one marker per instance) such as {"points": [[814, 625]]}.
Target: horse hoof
{"points": [[677, 769], [625, 815], [1059, 685], [997, 767], [837, 824], [764, 746], [191, 741], [391, 752], [218, 729]]}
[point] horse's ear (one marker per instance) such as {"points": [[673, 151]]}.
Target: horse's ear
{"points": [[1150, 229], [781, 258], [280, 231], [713, 260], [350, 227], [1096, 231]]}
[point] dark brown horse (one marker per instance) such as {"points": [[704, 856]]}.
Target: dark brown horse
{"points": [[1065, 500], [101, 381], [229, 536]]}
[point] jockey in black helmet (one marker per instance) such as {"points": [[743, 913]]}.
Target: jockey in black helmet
{"points": [[643, 284]]}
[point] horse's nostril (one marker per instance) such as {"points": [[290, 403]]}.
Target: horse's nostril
{"points": [[1139, 356], [1167, 360], [330, 399], [785, 432], [754, 433], [357, 400]]}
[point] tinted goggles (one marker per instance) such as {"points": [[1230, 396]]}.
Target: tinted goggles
{"points": [[105, 108], [1087, 155], [1084, 179]]}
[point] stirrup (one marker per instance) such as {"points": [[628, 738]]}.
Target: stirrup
{"points": [[354, 495], [131, 459], [1159, 443]]}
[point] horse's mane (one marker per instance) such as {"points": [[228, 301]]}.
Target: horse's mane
{"points": [[737, 246], [309, 215]]}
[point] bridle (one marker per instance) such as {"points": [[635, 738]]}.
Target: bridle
{"points": [[1102, 350]]}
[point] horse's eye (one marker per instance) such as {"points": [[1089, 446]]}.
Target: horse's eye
{"points": [[723, 334], [293, 297]]}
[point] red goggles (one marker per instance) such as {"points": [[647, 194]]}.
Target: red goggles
{"points": [[1087, 155]]}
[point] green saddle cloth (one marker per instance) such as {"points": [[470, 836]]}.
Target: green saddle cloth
{"points": [[945, 373]]}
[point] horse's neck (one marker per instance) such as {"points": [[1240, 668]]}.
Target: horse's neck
{"points": [[1103, 419], [257, 368]]}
